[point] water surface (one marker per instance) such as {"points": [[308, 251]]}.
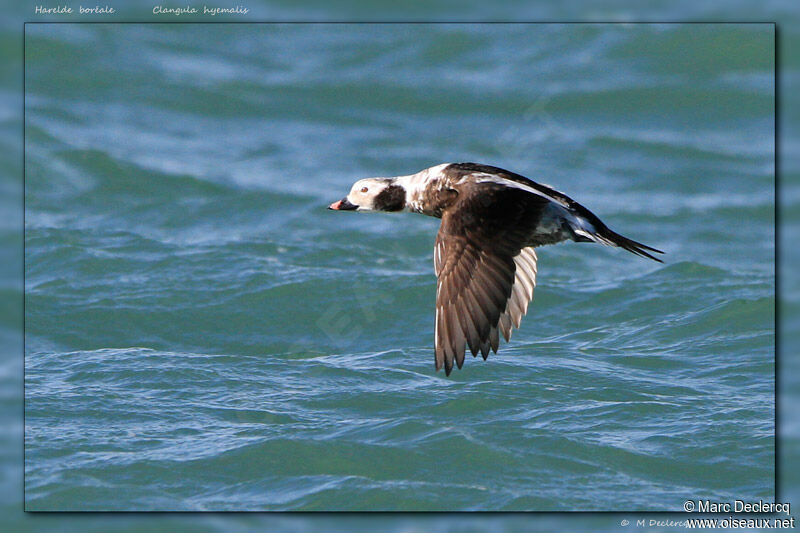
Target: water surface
{"points": [[202, 334]]}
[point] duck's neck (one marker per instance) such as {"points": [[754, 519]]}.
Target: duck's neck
{"points": [[419, 189]]}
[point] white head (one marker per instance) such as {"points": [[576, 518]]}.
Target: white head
{"points": [[373, 194]]}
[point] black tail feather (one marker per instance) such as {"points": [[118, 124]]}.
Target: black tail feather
{"points": [[615, 239]]}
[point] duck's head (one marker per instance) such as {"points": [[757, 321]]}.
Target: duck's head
{"points": [[373, 194]]}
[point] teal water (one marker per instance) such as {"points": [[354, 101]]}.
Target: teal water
{"points": [[202, 334]]}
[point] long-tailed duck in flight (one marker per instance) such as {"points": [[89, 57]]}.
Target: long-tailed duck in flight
{"points": [[484, 256]]}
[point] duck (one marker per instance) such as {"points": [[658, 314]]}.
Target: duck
{"points": [[484, 257]]}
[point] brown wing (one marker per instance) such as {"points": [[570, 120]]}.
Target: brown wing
{"points": [[486, 274]]}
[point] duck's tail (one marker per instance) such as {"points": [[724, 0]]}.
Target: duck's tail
{"points": [[610, 238], [587, 227]]}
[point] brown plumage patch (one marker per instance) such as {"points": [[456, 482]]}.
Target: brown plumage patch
{"points": [[392, 198]]}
